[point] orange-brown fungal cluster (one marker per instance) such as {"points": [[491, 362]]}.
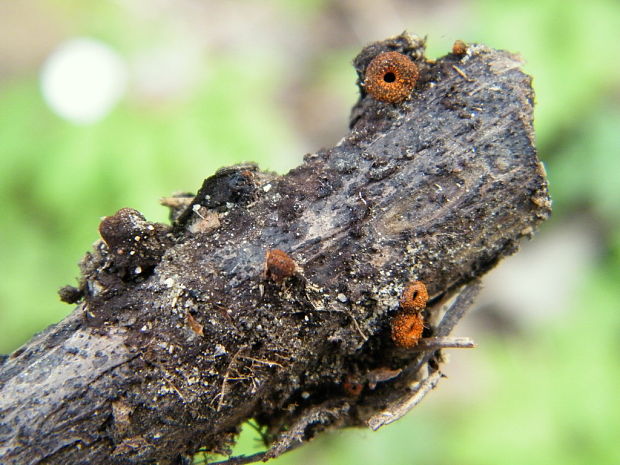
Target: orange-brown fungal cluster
{"points": [[414, 297], [279, 265], [407, 329], [459, 47], [390, 77], [408, 324]]}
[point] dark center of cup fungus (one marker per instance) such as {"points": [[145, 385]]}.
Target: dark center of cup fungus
{"points": [[390, 77], [414, 297]]}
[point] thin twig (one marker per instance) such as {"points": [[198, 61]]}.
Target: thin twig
{"points": [[391, 414], [458, 308], [264, 362], [241, 459], [258, 457], [357, 327], [223, 389], [462, 73], [447, 342]]}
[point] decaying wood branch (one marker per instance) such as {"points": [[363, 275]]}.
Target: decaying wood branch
{"points": [[181, 333]]}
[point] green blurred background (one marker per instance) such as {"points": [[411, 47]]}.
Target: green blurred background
{"points": [[211, 83]]}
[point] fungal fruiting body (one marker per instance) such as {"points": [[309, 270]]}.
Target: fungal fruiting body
{"points": [[408, 324], [134, 243], [120, 229], [279, 265], [351, 387], [390, 77], [407, 329], [459, 48], [414, 297]]}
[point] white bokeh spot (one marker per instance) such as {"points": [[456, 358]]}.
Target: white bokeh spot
{"points": [[83, 79]]}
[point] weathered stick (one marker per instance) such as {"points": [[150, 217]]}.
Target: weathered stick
{"points": [[182, 333]]}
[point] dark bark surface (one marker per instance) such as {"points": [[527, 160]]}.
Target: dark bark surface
{"points": [[179, 335]]}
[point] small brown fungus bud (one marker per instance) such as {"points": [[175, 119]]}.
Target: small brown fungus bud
{"points": [[121, 228], [414, 297], [279, 265], [407, 329], [135, 245], [459, 48], [390, 77]]}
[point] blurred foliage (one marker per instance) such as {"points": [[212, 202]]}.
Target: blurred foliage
{"points": [[550, 394]]}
